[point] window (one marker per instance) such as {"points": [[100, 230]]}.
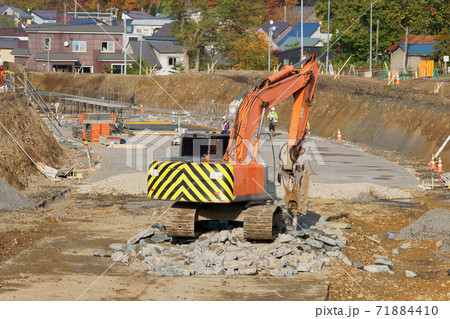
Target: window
{"points": [[84, 69], [108, 46], [79, 46], [145, 31], [47, 44], [172, 60]]}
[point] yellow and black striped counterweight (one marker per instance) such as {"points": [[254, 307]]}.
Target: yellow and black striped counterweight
{"points": [[190, 182]]}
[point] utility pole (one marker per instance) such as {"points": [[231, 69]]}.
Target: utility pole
{"points": [[301, 31], [376, 45], [270, 38], [328, 38], [124, 44], [75, 3], [140, 56], [370, 55], [284, 13], [65, 13]]}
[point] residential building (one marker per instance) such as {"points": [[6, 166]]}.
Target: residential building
{"points": [[68, 48], [10, 40], [7, 45], [107, 18], [310, 30], [131, 15], [135, 47], [294, 55], [419, 47], [279, 30], [41, 17], [168, 53], [21, 18], [148, 27], [293, 42]]}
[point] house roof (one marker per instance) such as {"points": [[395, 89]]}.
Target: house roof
{"points": [[307, 42], [152, 22], [75, 29], [147, 52], [165, 46], [56, 57], [83, 21], [414, 39], [164, 31], [279, 27], [22, 14], [138, 15], [12, 32], [308, 29], [21, 52], [46, 15], [9, 43], [417, 48], [115, 57]]}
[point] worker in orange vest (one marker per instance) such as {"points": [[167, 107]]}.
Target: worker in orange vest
{"points": [[2, 71]]}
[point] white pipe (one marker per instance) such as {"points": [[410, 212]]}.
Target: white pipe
{"points": [[442, 147]]}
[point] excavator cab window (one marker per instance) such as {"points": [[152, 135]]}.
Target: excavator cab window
{"points": [[196, 146]]}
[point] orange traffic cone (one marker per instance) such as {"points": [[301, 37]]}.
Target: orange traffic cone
{"points": [[389, 76], [439, 167], [432, 163], [397, 80], [416, 76], [339, 137]]}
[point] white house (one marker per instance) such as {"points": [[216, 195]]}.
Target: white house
{"points": [[147, 27], [168, 53], [40, 17]]}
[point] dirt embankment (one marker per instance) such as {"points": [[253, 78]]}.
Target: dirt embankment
{"points": [[26, 126], [407, 118]]}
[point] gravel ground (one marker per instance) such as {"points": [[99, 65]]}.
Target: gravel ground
{"points": [[356, 192], [434, 224], [125, 184], [12, 199]]}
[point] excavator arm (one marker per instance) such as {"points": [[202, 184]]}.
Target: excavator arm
{"points": [[295, 177], [262, 98]]}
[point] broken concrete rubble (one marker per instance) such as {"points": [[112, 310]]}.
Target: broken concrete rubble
{"points": [[227, 253]]}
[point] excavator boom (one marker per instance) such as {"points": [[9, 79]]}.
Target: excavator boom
{"points": [[271, 91]]}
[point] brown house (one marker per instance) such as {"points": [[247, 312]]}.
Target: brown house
{"points": [[68, 48]]}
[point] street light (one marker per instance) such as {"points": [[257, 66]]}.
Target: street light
{"points": [[270, 39]]}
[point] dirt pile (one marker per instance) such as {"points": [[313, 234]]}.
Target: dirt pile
{"points": [[405, 118], [23, 122], [12, 199]]}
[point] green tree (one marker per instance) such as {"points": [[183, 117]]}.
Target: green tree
{"points": [[134, 68], [397, 18], [442, 46]]}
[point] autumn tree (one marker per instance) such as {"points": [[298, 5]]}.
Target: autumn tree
{"points": [[251, 52]]}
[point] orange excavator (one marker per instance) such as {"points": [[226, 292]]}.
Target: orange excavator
{"points": [[219, 177]]}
